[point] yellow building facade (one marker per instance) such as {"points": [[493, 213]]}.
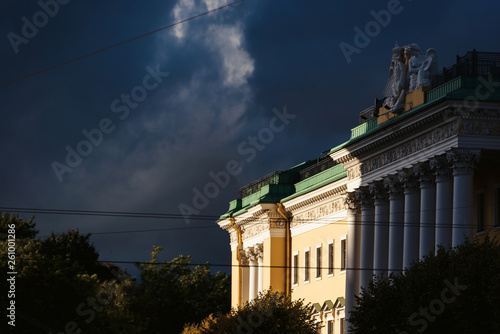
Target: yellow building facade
{"points": [[421, 170]]}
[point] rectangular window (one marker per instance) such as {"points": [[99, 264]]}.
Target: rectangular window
{"points": [[330, 258], [496, 206], [343, 254], [306, 266], [480, 211], [342, 325], [329, 327], [296, 269], [318, 261]]}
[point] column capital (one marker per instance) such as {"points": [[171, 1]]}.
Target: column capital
{"points": [[378, 192], [424, 174], [251, 254], [441, 168], [393, 187], [243, 257], [463, 160], [353, 204], [409, 180], [259, 251], [363, 194]]}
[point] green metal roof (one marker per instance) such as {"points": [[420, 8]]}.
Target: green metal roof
{"points": [[317, 181], [340, 302], [327, 305]]}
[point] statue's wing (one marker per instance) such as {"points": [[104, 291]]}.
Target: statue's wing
{"points": [[390, 83]]}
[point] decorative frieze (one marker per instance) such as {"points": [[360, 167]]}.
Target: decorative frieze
{"points": [[233, 237], [354, 172], [413, 146], [479, 127], [278, 222], [319, 212], [311, 201], [467, 127], [256, 229]]}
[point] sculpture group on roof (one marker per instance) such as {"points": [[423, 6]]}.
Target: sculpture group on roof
{"points": [[409, 70]]}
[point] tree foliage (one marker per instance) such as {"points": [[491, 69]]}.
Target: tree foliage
{"points": [[62, 287], [59, 280], [25, 229], [271, 312], [173, 293], [454, 291]]}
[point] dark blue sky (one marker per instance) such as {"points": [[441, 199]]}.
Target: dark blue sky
{"points": [[227, 71]]}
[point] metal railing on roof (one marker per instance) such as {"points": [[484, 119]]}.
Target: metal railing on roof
{"points": [[251, 188], [474, 63], [321, 165]]}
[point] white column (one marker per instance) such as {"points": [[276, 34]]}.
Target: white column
{"points": [[252, 285], [353, 247], [396, 227], [244, 277], [381, 234], [366, 256], [463, 196], [444, 201], [427, 208], [411, 217], [260, 260]]}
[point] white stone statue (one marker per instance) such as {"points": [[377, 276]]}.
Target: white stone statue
{"points": [[429, 67], [409, 70], [395, 90], [415, 62]]}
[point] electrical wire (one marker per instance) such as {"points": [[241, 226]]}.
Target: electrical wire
{"points": [[336, 219], [158, 263], [149, 230]]}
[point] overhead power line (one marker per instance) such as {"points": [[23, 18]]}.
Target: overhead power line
{"points": [[118, 44], [149, 230], [159, 263], [338, 220], [104, 213]]}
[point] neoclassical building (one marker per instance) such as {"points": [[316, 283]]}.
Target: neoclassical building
{"points": [[422, 169]]}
